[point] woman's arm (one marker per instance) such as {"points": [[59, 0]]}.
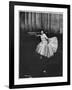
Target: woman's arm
{"points": [[46, 36], [37, 35]]}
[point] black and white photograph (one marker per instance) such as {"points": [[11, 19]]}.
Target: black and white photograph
{"points": [[39, 44], [41, 40]]}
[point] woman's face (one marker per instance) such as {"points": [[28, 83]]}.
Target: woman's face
{"points": [[42, 32]]}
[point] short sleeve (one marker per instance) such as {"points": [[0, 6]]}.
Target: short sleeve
{"points": [[45, 36]]}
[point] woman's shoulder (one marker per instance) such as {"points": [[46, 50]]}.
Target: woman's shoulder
{"points": [[44, 34]]}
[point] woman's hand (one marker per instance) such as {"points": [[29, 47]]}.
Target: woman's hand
{"points": [[48, 41], [37, 35]]}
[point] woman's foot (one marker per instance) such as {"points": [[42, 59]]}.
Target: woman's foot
{"points": [[44, 71]]}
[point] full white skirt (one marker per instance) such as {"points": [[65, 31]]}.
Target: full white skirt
{"points": [[46, 48]]}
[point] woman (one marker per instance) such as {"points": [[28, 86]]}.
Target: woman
{"points": [[48, 46]]}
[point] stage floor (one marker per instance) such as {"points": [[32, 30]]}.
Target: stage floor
{"points": [[30, 63]]}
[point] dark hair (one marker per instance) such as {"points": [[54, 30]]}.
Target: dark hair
{"points": [[41, 30]]}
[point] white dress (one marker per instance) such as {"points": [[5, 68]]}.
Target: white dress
{"points": [[47, 48]]}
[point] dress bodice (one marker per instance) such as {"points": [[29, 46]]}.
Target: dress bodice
{"points": [[43, 37]]}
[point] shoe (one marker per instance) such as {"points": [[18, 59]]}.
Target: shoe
{"points": [[44, 71]]}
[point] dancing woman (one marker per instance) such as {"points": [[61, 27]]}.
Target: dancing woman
{"points": [[47, 47]]}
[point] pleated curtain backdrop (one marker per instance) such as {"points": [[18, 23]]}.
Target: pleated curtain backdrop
{"points": [[33, 21]]}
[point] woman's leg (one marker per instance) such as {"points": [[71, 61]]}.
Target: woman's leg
{"points": [[44, 66], [40, 56]]}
